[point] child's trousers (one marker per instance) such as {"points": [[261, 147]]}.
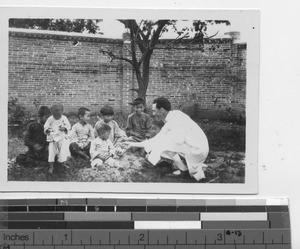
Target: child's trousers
{"points": [[60, 149]]}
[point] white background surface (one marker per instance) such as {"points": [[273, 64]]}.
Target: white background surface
{"points": [[279, 125]]}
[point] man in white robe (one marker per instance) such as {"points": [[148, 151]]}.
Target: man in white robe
{"points": [[180, 136]]}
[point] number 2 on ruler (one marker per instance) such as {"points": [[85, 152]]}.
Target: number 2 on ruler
{"points": [[142, 237]]}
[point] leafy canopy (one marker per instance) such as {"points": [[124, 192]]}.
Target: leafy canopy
{"points": [[67, 25]]}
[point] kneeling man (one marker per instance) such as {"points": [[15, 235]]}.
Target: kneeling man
{"points": [[179, 137]]}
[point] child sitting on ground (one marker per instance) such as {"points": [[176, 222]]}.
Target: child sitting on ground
{"points": [[56, 128], [107, 114], [35, 140], [138, 123], [81, 135], [102, 149], [156, 127]]}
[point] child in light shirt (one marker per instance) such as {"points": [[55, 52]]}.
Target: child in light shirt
{"points": [[102, 149], [82, 134], [56, 128], [107, 114]]}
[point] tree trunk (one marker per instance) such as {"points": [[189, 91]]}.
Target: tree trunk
{"points": [[141, 90], [143, 85], [142, 77]]}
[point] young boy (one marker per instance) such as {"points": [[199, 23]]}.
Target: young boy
{"points": [[82, 134], [156, 127], [107, 114], [138, 123], [56, 128], [102, 149], [35, 140]]}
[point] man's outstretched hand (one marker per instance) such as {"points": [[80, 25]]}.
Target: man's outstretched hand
{"points": [[132, 144]]}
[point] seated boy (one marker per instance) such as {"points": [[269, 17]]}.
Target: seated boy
{"points": [[138, 123], [81, 135], [102, 149], [56, 128], [156, 127], [35, 140], [107, 114]]}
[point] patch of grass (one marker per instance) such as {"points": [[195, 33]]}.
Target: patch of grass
{"points": [[225, 136], [225, 161], [15, 147]]}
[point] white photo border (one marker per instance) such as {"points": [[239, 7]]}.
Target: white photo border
{"points": [[251, 19]]}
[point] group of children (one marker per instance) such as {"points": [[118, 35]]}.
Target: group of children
{"points": [[51, 136]]}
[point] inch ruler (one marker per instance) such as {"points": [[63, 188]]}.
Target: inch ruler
{"points": [[144, 224]]}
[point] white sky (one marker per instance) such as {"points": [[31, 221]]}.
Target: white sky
{"points": [[114, 29]]}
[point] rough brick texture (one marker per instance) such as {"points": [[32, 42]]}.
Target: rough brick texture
{"points": [[49, 68]]}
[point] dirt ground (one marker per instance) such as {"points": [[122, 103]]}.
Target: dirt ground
{"points": [[222, 167]]}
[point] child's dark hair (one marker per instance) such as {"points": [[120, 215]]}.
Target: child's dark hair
{"points": [[55, 106], [107, 110], [158, 123], [103, 128], [138, 101], [162, 102], [44, 110], [82, 110]]}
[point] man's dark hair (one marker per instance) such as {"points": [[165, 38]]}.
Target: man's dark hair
{"points": [[81, 111], [138, 101], [44, 110], [103, 128], [107, 110], [162, 102]]}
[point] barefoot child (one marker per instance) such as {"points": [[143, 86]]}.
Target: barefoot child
{"points": [[102, 149], [138, 123], [107, 114], [56, 128], [35, 140], [81, 135]]}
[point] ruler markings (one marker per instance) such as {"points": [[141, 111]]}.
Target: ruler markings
{"points": [[274, 233]]}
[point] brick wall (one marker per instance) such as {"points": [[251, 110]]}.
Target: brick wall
{"points": [[48, 67]]}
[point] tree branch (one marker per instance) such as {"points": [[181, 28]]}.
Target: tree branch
{"points": [[212, 35], [138, 32], [134, 27], [161, 24], [112, 56], [178, 38], [134, 89], [156, 34]]}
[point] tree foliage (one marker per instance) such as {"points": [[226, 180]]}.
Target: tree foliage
{"points": [[67, 25], [144, 37]]}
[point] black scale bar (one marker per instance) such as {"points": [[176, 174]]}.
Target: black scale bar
{"points": [[83, 208], [100, 208], [66, 225]]}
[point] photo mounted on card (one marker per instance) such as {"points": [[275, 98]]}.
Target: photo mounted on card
{"points": [[130, 101]]}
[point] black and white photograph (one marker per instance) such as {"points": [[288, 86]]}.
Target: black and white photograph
{"points": [[133, 100]]}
